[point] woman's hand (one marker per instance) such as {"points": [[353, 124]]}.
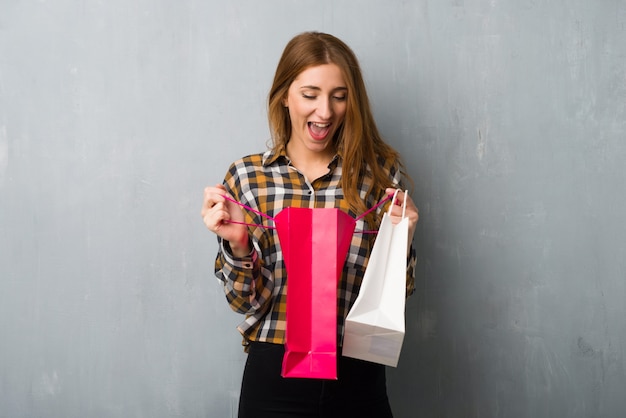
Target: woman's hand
{"points": [[411, 211], [217, 211]]}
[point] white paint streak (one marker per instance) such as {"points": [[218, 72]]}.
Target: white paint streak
{"points": [[480, 149], [47, 385]]}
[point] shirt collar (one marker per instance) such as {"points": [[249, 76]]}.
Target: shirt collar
{"points": [[271, 156]]}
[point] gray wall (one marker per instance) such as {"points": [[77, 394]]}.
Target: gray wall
{"points": [[115, 114]]}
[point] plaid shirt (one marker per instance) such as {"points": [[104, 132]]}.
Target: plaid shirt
{"points": [[256, 285]]}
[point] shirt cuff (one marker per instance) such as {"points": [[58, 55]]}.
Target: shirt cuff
{"points": [[243, 263]]}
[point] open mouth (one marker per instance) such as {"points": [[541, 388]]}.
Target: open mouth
{"points": [[319, 131]]}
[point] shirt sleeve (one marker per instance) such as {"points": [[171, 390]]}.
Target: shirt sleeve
{"points": [[247, 290], [247, 285]]}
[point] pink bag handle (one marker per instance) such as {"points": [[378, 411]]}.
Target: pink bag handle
{"points": [[364, 214], [251, 210], [273, 219]]}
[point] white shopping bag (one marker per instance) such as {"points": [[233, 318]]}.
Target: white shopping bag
{"points": [[374, 329]]}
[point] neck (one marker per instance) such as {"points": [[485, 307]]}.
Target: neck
{"points": [[312, 164], [307, 157]]}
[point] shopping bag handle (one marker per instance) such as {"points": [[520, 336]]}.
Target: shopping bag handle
{"points": [[393, 200], [251, 210], [274, 220]]}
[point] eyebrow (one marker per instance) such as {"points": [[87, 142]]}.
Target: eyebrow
{"points": [[319, 89]]}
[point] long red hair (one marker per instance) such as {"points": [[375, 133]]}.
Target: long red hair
{"points": [[358, 141]]}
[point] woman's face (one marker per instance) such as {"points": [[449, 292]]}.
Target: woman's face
{"points": [[317, 101]]}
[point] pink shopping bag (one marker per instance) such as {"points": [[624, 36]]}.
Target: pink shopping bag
{"points": [[314, 243]]}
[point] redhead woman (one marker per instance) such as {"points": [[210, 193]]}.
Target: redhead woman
{"points": [[326, 152]]}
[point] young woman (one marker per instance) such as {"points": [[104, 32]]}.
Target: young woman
{"points": [[327, 152]]}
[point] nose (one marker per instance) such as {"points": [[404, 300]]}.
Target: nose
{"points": [[325, 108]]}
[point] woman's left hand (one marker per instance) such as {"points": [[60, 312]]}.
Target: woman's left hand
{"points": [[411, 211]]}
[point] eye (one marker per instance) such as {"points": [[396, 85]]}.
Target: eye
{"points": [[308, 96], [339, 98]]}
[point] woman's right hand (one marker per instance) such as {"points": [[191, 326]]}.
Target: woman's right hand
{"points": [[217, 211]]}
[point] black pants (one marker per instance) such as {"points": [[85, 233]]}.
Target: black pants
{"points": [[360, 391]]}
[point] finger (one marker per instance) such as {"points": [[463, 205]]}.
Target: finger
{"points": [[396, 211], [399, 197], [412, 211], [216, 217], [212, 196], [410, 205], [390, 192]]}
